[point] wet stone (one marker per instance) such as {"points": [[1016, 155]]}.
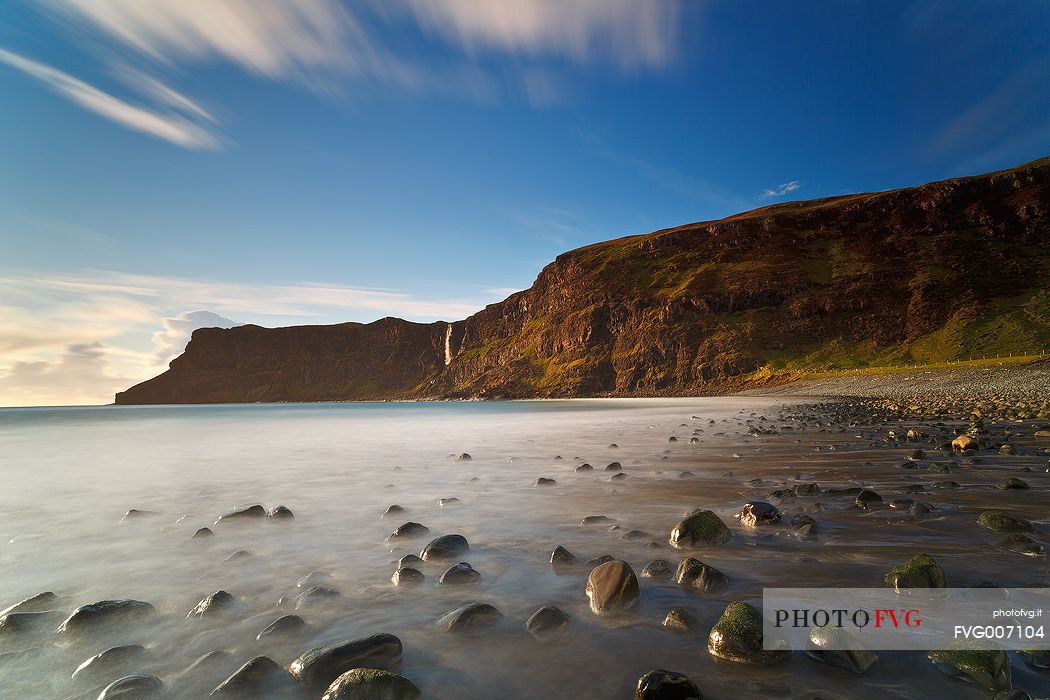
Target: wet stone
{"points": [[737, 636], [409, 561], [37, 603], [407, 576], [280, 513], [1001, 521], [314, 595], [680, 620], [445, 547], [757, 513], [393, 510], [259, 677], [666, 685], [137, 687], [921, 571], [470, 617], [984, 668], [546, 622], [658, 568], [212, 605], [833, 645], [105, 613], [543, 481], [459, 574], [446, 502], [243, 513], [613, 467], [594, 520], [1012, 483], [371, 684], [598, 560], [314, 578], [867, 499], [1023, 544], [699, 528], [284, 625], [562, 557], [612, 587], [409, 529], [108, 664], [585, 468], [201, 533], [700, 577], [319, 667]]}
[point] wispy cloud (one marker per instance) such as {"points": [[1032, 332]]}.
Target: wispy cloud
{"points": [[632, 35], [81, 374], [780, 190], [168, 125]]}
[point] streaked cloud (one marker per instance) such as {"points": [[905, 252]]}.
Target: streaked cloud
{"points": [[627, 33], [81, 374], [168, 125], [780, 190]]}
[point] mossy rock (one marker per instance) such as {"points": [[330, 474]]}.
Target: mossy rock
{"points": [[1001, 521], [921, 571], [737, 636], [986, 668], [699, 528], [371, 684], [803, 490]]}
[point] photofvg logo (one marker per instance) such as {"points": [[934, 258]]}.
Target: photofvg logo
{"points": [[851, 619]]}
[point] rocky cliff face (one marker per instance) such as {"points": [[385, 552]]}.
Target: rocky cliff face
{"points": [[944, 271]]}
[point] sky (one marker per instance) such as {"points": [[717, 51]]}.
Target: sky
{"points": [[167, 165]]}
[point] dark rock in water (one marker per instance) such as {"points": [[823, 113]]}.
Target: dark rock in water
{"points": [[921, 571], [409, 529], [782, 496], [594, 520], [867, 499], [685, 475], [613, 467], [316, 594], [459, 574], [409, 561], [37, 603], [109, 663], [672, 439], [200, 677], [585, 468], [1012, 694], [835, 646], [138, 687], [946, 485], [407, 576], [658, 568], [562, 557], [244, 513], [666, 685], [984, 668], [806, 490], [280, 513], [737, 636], [445, 547], [801, 519], [104, 613], [1001, 521], [134, 514], [318, 667], [371, 684], [259, 678], [940, 468], [612, 587], [756, 513], [917, 455], [902, 503], [1023, 544], [212, 605], [544, 481], [1007, 450], [27, 621], [393, 510], [698, 529], [755, 483], [921, 510], [202, 532], [285, 624], [472, 616], [680, 620], [464, 457], [446, 502], [634, 535], [701, 577], [807, 531], [1012, 483], [965, 443], [239, 554], [619, 476], [598, 560], [546, 622], [314, 578]]}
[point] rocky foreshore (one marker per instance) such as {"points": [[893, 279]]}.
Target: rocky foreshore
{"points": [[945, 479]]}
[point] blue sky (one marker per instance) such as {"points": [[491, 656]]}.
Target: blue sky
{"points": [[164, 163]]}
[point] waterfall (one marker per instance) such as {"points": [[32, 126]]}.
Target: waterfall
{"points": [[448, 345]]}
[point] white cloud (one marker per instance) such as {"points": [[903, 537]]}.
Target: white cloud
{"points": [[79, 375], [780, 190], [172, 338], [167, 125], [629, 33]]}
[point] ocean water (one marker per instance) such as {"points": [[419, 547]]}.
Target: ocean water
{"points": [[68, 475]]}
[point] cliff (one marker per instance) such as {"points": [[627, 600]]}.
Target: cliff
{"points": [[943, 271]]}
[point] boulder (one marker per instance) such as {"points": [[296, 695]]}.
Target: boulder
{"points": [[105, 613], [284, 625], [612, 587], [984, 668], [1001, 521], [666, 685], [756, 513], [470, 617], [371, 684], [701, 577], [445, 547], [546, 622], [212, 605], [242, 513], [260, 677], [109, 663], [737, 636], [407, 576], [409, 529], [459, 574], [835, 646], [699, 529], [317, 668], [921, 571], [137, 687]]}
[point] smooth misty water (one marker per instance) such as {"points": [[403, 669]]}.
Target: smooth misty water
{"points": [[69, 474]]}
